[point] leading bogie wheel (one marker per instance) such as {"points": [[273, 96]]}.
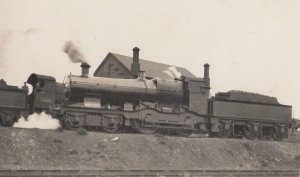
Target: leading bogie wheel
{"points": [[111, 124], [68, 125]]}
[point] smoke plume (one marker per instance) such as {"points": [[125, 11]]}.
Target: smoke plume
{"points": [[73, 52], [173, 72], [40, 121]]}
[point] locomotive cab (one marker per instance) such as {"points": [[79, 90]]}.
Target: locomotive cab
{"points": [[46, 92], [196, 95]]}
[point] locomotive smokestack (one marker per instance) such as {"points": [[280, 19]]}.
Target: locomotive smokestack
{"points": [[135, 66], [85, 69], [206, 74]]}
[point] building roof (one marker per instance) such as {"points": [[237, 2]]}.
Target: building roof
{"points": [[152, 69]]}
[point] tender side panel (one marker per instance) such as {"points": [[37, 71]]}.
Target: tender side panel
{"points": [[12, 99], [242, 110]]}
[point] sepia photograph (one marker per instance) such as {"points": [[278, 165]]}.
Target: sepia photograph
{"points": [[150, 88]]}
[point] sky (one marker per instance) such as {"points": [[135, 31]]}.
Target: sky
{"points": [[250, 45]]}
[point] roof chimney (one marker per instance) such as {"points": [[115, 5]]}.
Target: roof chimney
{"points": [[206, 74], [85, 69], [135, 66]]}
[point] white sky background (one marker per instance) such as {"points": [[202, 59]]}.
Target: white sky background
{"points": [[251, 45]]}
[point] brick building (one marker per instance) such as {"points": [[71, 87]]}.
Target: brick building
{"points": [[120, 66]]}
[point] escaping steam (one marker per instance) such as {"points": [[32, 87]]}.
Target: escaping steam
{"points": [[173, 72], [73, 52], [40, 121]]}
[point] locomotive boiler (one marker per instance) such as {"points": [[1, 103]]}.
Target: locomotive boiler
{"points": [[119, 91]]}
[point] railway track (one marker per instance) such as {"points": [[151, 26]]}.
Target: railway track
{"points": [[150, 173]]}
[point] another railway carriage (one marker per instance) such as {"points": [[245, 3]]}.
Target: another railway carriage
{"points": [[13, 103]]}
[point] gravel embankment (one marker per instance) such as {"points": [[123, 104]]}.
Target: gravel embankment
{"points": [[53, 149]]}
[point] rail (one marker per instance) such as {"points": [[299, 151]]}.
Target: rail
{"points": [[150, 173]]}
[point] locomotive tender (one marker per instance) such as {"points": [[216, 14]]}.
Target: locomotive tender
{"points": [[147, 105]]}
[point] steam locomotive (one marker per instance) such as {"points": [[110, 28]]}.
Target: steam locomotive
{"points": [[148, 106]]}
